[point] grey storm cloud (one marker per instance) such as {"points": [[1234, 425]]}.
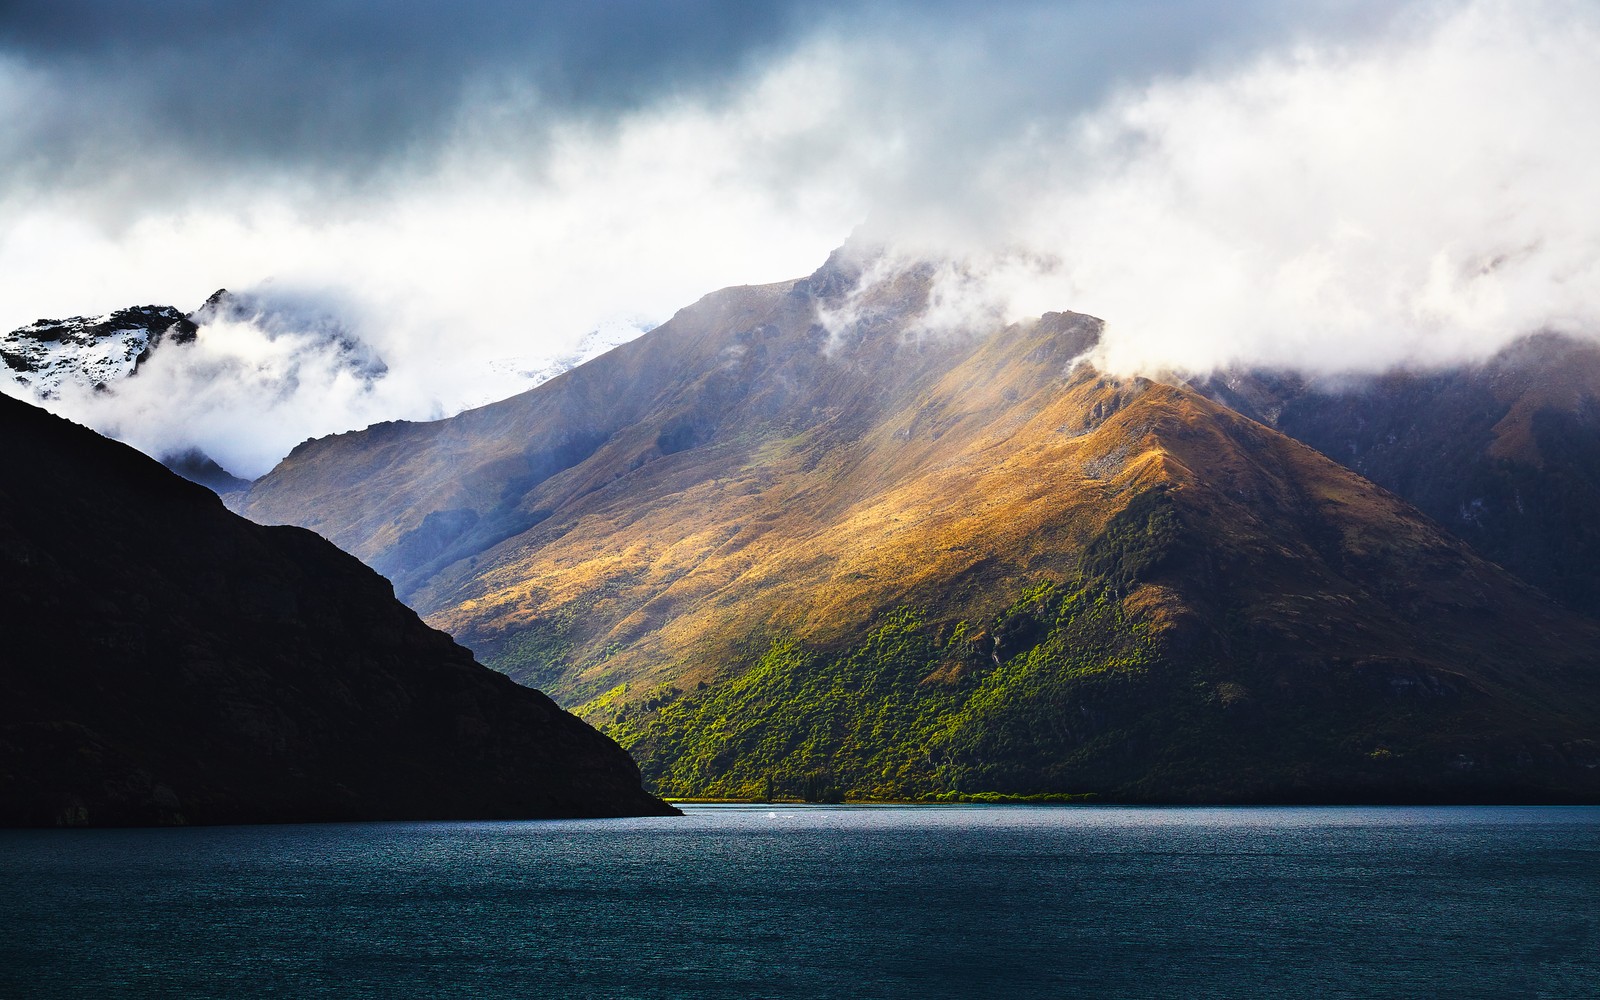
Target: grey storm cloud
{"points": [[351, 86], [349, 83]]}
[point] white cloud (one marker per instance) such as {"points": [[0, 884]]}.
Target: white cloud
{"points": [[504, 254], [1418, 191], [1416, 202]]}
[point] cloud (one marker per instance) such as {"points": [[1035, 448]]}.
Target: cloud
{"points": [[261, 374], [1418, 200], [1336, 185], [346, 87], [462, 276]]}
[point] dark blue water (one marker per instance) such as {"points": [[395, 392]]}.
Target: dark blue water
{"points": [[821, 901]]}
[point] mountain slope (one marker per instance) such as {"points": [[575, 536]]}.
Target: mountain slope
{"points": [[763, 547], [1505, 454], [166, 661]]}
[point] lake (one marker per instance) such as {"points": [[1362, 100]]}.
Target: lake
{"points": [[803, 901]]}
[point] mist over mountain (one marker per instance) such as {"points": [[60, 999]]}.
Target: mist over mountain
{"points": [[240, 373], [790, 535], [1328, 187], [233, 384]]}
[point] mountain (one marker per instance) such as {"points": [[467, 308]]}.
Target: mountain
{"points": [[1506, 453], [95, 353], [169, 662], [83, 366], [198, 467], [92, 352], [793, 540]]}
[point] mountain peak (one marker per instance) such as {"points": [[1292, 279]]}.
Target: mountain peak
{"points": [[90, 352]]}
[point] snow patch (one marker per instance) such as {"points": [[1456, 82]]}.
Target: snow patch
{"points": [[529, 371]]}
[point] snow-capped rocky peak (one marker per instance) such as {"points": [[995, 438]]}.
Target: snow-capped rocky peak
{"points": [[91, 351], [199, 392]]}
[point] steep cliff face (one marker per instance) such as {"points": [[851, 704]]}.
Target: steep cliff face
{"points": [[794, 535], [168, 662]]}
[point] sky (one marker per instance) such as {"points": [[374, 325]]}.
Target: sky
{"points": [[472, 190]]}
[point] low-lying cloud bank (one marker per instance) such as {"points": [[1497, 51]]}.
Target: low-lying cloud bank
{"points": [[1417, 201], [1349, 187]]}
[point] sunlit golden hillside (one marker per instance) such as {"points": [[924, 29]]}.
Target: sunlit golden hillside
{"points": [[777, 553]]}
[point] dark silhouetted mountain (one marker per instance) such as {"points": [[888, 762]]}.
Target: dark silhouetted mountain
{"points": [[794, 535], [197, 467], [166, 661]]}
